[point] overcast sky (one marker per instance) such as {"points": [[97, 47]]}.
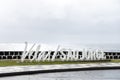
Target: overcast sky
{"points": [[60, 21]]}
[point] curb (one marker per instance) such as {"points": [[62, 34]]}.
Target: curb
{"points": [[56, 70]]}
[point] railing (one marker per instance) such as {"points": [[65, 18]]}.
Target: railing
{"points": [[17, 55]]}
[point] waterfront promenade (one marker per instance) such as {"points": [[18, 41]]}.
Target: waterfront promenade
{"points": [[34, 69]]}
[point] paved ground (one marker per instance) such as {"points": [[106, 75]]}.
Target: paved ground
{"points": [[13, 69]]}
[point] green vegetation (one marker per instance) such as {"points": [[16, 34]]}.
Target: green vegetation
{"points": [[115, 61], [18, 63]]}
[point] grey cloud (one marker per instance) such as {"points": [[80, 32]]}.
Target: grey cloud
{"points": [[60, 21]]}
